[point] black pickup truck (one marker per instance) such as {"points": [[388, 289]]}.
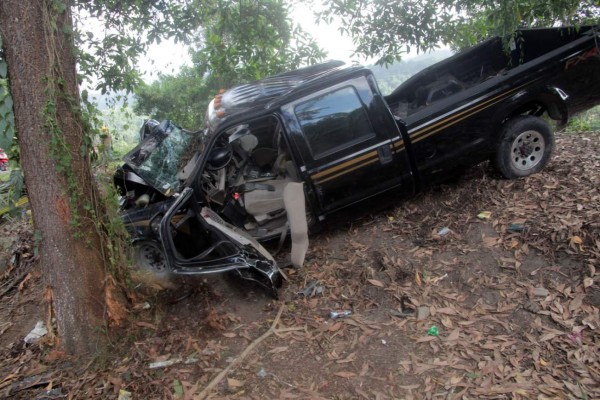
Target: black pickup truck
{"points": [[280, 154]]}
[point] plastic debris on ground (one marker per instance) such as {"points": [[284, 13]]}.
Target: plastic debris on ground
{"points": [[433, 331], [444, 231], [340, 314], [36, 333], [262, 373], [515, 228], [484, 215], [172, 361]]}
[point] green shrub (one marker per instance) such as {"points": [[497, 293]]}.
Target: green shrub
{"points": [[586, 121]]}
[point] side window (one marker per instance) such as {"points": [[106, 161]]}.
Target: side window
{"points": [[333, 121]]}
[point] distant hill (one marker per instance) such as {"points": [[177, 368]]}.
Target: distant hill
{"points": [[392, 76]]}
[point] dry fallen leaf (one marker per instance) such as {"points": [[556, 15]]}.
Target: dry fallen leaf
{"points": [[375, 282], [233, 383], [277, 350], [575, 240], [548, 336], [335, 327], [454, 335], [345, 374], [423, 339], [146, 325], [489, 241]]}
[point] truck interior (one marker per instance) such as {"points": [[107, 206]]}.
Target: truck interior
{"points": [[250, 190], [246, 174]]}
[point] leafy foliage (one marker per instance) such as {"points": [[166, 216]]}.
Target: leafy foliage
{"points": [[123, 126], [247, 40], [11, 191], [586, 121], [240, 41], [386, 29], [181, 98], [7, 118], [109, 53]]}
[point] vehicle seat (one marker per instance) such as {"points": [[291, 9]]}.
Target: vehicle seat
{"points": [[264, 204]]}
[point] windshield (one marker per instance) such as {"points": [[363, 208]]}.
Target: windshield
{"points": [[160, 157]]}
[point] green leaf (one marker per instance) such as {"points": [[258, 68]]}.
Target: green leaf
{"points": [[177, 388], [8, 103], [3, 69]]}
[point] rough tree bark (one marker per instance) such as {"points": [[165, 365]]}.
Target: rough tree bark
{"points": [[71, 257]]}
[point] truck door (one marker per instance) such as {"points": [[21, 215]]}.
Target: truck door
{"points": [[349, 143]]}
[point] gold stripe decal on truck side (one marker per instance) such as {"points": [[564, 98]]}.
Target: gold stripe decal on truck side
{"points": [[421, 137], [367, 159], [364, 164], [471, 111], [416, 136], [344, 165]]}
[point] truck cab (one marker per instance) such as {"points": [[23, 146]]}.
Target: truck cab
{"points": [[329, 128]]}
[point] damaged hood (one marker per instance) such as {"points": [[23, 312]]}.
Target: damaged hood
{"points": [[165, 158]]}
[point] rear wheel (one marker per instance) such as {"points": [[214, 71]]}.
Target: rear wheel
{"points": [[525, 147]]}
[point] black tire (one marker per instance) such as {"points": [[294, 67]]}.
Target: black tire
{"points": [[149, 267], [524, 147]]}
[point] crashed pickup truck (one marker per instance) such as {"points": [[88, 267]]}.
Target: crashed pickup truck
{"points": [[281, 154]]}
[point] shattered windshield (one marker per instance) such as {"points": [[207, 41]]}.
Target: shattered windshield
{"points": [[162, 155]]}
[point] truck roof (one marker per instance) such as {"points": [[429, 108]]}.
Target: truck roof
{"points": [[258, 97]]}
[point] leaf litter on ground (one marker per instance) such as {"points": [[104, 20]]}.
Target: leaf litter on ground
{"points": [[514, 296]]}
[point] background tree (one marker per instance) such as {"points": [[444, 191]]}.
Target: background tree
{"points": [[240, 41], [386, 29]]}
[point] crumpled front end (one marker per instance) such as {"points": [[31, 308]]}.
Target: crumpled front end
{"points": [[197, 241]]}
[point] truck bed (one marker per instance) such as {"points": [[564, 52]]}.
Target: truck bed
{"points": [[476, 65]]}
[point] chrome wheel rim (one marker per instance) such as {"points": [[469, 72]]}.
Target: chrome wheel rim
{"points": [[527, 150]]}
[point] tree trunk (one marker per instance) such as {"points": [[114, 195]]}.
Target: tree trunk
{"points": [[40, 59]]}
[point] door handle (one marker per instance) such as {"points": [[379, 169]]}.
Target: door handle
{"points": [[385, 154]]}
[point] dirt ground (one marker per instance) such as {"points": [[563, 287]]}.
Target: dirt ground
{"points": [[447, 302]]}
